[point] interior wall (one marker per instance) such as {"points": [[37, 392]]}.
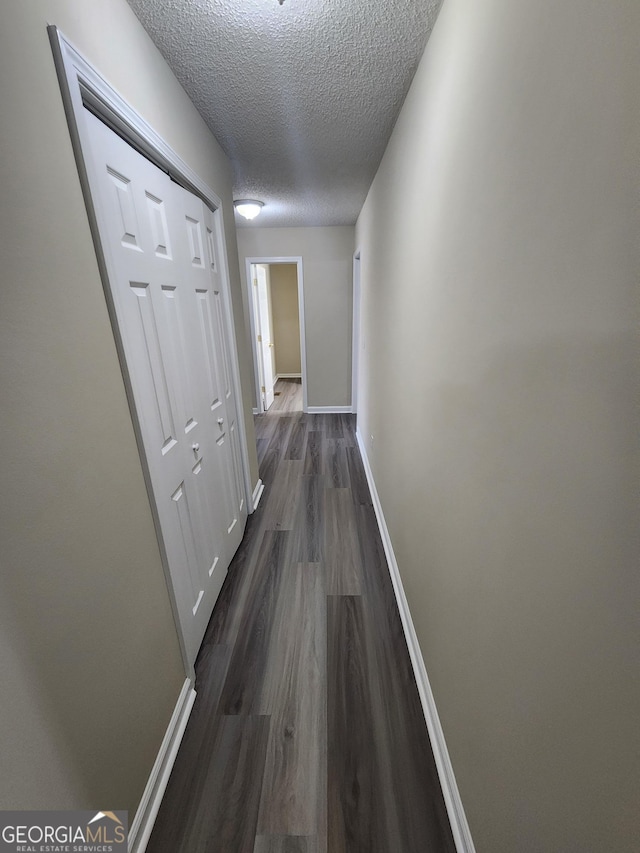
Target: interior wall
{"points": [[90, 663], [500, 269], [327, 254], [286, 318]]}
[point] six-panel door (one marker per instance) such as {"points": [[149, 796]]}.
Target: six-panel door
{"points": [[160, 243]]}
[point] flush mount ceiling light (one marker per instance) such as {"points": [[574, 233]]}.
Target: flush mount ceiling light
{"points": [[248, 207]]}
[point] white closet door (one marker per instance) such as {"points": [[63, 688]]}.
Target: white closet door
{"points": [[156, 244], [211, 370]]}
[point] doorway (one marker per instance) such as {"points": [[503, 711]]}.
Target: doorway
{"points": [[276, 309]]}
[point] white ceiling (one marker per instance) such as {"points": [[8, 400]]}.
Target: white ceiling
{"points": [[302, 96]]}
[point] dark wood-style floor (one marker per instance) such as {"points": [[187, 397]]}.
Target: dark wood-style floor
{"points": [[307, 735], [288, 396]]}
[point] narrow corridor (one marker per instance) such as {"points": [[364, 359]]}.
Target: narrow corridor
{"points": [[307, 735]]}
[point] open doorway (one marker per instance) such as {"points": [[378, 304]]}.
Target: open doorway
{"points": [[277, 333]]}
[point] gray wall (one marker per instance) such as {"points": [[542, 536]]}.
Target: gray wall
{"points": [[89, 661], [499, 407], [327, 255]]}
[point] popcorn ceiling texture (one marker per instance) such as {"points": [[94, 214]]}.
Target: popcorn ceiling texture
{"points": [[302, 96]]}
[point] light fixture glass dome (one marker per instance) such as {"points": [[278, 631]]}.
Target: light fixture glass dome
{"points": [[248, 207]]}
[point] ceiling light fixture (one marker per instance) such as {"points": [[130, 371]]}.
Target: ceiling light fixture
{"points": [[248, 207]]}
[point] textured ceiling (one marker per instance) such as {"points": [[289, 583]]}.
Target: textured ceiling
{"points": [[302, 96]]}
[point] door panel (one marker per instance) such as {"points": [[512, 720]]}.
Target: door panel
{"points": [[236, 487], [213, 241], [215, 398], [213, 368], [156, 385], [159, 227], [127, 219], [266, 345], [164, 281], [188, 546]]}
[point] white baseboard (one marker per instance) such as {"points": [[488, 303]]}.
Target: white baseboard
{"points": [[328, 410], [288, 376], [455, 810], [257, 494], [152, 797]]}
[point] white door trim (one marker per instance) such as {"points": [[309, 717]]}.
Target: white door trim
{"points": [[355, 335], [258, 405], [328, 410], [259, 408], [260, 273], [82, 86]]}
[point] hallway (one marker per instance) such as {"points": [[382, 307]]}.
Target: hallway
{"points": [[307, 735]]}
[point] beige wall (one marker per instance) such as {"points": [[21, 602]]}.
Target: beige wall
{"points": [[90, 664], [285, 317], [499, 407], [327, 255]]}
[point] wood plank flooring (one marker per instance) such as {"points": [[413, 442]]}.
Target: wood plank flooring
{"points": [[307, 735], [288, 396]]}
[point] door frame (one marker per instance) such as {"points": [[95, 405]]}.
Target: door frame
{"points": [[258, 404], [82, 87], [260, 359]]}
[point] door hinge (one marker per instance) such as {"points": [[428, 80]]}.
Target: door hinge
{"points": [[255, 282], [263, 389], [259, 339]]}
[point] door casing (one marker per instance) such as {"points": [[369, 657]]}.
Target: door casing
{"points": [[264, 346], [258, 402]]}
